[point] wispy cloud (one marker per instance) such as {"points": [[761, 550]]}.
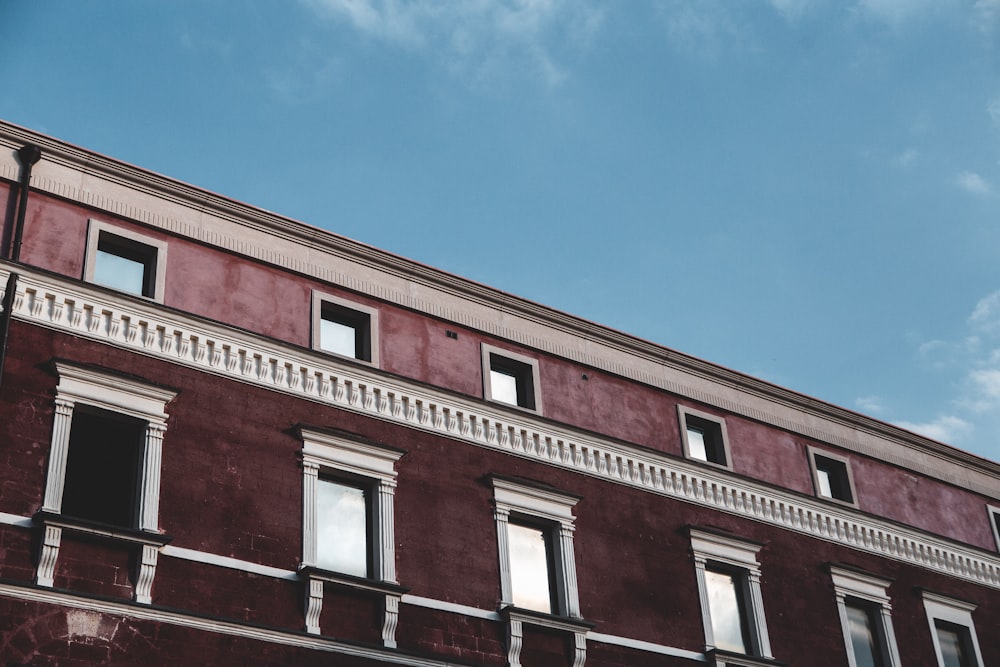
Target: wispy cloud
{"points": [[973, 183], [906, 158], [947, 428], [869, 404], [973, 360], [898, 12], [478, 39]]}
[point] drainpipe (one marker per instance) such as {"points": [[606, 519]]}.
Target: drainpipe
{"points": [[5, 316], [28, 155]]}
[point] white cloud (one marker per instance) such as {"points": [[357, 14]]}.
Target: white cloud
{"points": [[973, 183], [869, 404], [986, 315], [947, 428], [478, 39], [984, 391]]}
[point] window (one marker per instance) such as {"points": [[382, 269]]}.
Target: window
{"points": [[832, 477], [104, 464], [102, 468], [345, 328], [865, 617], [732, 609], [704, 437], [952, 631], [994, 513], [535, 537], [125, 260], [511, 378], [348, 534]]}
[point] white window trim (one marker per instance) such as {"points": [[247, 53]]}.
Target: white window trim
{"points": [[683, 412], [319, 298], [81, 385], [994, 515], [813, 453], [533, 502], [849, 583], [709, 547], [94, 229], [487, 350], [950, 610]]}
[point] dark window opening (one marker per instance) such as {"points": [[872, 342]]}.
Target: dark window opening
{"points": [[705, 441], [832, 479], [867, 642], [956, 644], [511, 382], [727, 607], [125, 265], [103, 468], [345, 331], [345, 527]]}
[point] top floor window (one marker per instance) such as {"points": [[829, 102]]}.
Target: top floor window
{"points": [[125, 260], [832, 476], [345, 328], [704, 437], [511, 378]]}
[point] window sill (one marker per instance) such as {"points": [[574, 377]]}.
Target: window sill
{"points": [[720, 658], [99, 530], [352, 582], [541, 619]]}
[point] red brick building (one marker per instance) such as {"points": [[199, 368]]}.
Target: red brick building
{"points": [[228, 438]]}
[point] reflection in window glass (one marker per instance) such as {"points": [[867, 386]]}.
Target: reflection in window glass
{"points": [[117, 272], [503, 386], [696, 444], [342, 522], [529, 568], [726, 609], [338, 338], [864, 639], [951, 639], [823, 477]]}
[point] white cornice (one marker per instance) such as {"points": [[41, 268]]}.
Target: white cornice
{"points": [[145, 328], [120, 189]]}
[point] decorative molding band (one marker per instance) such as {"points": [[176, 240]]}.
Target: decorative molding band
{"points": [[177, 208], [82, 310], [231, 628]]}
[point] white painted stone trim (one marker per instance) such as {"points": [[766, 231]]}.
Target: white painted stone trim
{"points": [[143, 328], [958, 612], [532, 502], [94, 229], [714, 548], [853, 584], [229, 628]]}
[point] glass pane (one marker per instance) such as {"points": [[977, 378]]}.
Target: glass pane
{"points": [[338, 338], [726, 611], [864, 640], [342, 526], [952, 647], [696, 444], [823, 476], [119, 272], [503, 386], [529, 568]]}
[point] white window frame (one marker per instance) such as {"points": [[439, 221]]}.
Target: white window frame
{"points": [[683, 413], [994, 515], [94, 230], [813, 453], [851, 584], [319, 298], [956, 612], [710, 548], [324, 452], [84, 385], [533, 504], [530, 362], [333, 453]]}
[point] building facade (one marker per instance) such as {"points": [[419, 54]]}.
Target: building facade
{"points": [[230, 438]]}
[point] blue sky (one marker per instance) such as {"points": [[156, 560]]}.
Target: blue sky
{"points": [[804, 190]]}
